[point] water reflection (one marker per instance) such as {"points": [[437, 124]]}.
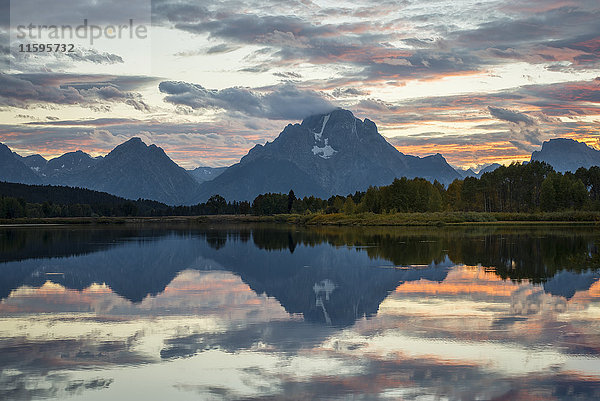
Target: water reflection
{"points": [[264, 312]]}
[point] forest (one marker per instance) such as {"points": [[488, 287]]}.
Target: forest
{"points": [[518, 188]]}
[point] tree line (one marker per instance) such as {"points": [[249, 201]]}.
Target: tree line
{"points": [[528, 187]]}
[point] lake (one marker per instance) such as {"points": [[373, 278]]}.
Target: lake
{"points": [[263, 312]]}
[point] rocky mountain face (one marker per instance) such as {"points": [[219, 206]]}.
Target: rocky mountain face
{"points": [[66, 168], [35, 162], [327, 154], [567, 155]]}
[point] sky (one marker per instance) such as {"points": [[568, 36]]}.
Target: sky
{"points": [[477, 81]]}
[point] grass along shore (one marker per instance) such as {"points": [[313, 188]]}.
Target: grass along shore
{"points": [[339, 219]]}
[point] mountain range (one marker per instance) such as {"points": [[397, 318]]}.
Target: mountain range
{"points": [[327, 154], [131, 170]]}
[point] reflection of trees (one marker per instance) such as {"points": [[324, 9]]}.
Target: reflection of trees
{"points": [[21, 243], [216, 239], [515, 253]]}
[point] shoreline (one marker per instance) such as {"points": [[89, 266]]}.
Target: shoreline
{"points": [[364, 219]]}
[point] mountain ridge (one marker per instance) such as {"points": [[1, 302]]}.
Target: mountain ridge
{"points": [[324, 155]]}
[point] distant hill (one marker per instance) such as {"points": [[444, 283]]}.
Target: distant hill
{"points": [[488, 169], [69, 196], [471, 173], [466, 173], [567, 154], [203, 174]]}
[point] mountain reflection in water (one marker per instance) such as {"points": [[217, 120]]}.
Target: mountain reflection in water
{"points": [[458, 313]]}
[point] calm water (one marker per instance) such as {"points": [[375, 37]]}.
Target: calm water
{"points": [[275, 313]]}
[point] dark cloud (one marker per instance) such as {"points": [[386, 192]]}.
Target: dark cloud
{"points": [[510, 116], [112, 93], [167, 11], [252, 28], [288, 75], [524, 132], [221, 48], [86, 81], [39, 90], [385, 46], [348, 92], [18, 92], [284, 102]]}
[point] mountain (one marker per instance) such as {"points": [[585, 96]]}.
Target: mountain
{"points": [[488, 169], [471, 173], [65, 168], [132, 170], [567, 155], [135, 170], [35, 162], [434, 167], [12, 168], [203, 174], [327, 154], [466, 173]]}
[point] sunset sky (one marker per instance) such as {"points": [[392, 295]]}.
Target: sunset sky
{"points": [[478, 81]]}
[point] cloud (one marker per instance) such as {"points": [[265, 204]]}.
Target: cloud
{"points": [[283, 102], [524, 131], [219, 143], [112, 93], [396, 41], [221, 48], [41, 90], [510, 116], [348, 92], [288, 75], [94, 56], [97, 122], [253, 28], [18, 92]]}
